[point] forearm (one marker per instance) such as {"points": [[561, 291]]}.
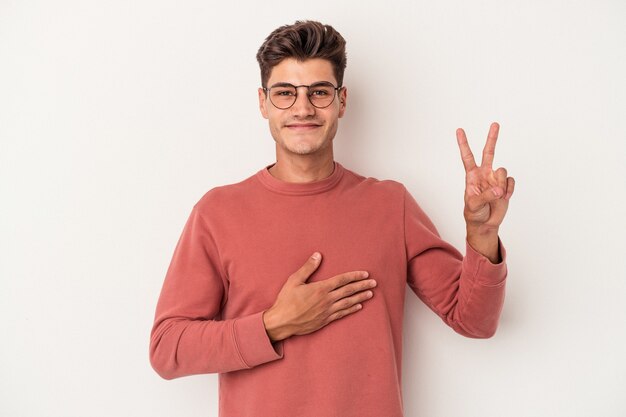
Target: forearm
{"points": [[481, 293], [181, 347]]}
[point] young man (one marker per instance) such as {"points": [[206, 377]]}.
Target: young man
{"points": [[290, 284]]}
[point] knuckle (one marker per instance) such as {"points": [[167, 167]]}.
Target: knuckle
{"points": [[346, 279], [356, 277], [319, 292], [332, 317], [319, 296], [345, 292], [331, 283]]}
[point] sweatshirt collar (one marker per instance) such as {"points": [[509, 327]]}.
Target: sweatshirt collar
{"points": [[300, 188]]}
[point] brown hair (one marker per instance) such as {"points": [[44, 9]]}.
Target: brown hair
{"points": [[303, 40]]}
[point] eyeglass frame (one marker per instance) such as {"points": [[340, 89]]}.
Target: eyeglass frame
{"points": [[308, 87]]}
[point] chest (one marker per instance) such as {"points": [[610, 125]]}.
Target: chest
{"points": [[266, 246]]}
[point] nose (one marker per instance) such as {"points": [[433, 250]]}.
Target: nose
{"points": [[303, 107]]}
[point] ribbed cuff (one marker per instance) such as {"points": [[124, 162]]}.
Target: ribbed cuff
{"points": [[483, 271], [253, 342]]}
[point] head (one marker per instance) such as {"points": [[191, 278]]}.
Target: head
{"points": [[304, 53]]}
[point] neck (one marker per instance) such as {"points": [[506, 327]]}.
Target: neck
{"points": [[302, 168]]}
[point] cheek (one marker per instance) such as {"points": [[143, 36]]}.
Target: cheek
{"points": [[333, 118], [275, 124], [270, 119], [274, 119]]}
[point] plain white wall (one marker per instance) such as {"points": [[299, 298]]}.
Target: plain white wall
{"points": [[116, 116]]}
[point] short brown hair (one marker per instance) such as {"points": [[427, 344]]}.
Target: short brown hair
{"points": [[303, 40]]}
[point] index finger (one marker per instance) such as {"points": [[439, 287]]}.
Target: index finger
{"points": [[466, 152], [490, 147], [344, 279]]}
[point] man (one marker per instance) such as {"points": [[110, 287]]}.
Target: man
{"points": [[290, 284]]}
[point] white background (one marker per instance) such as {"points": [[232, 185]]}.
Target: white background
{"points": [[117, 116]]}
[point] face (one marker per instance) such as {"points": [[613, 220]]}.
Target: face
{"points": [[303, 129]]}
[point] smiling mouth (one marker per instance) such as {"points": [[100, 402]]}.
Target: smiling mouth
{"points": [[303, 126]]}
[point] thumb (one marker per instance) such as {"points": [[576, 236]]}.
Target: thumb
{"points": [[474, 203], [302, 275]]}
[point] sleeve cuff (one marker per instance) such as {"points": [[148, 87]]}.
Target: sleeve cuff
{"points": [[253, 343], [483, 271]]}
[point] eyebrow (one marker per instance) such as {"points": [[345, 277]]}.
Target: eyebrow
{"points": [[284, 84]]}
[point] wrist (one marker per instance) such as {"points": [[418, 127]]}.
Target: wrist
{"points": [[485, 242], [481, 230], [275, 329]]}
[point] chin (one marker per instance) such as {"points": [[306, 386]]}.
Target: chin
{"points": [[303, 147]]}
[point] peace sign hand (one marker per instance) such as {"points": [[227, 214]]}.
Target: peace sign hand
{"points": [[487, 192]]}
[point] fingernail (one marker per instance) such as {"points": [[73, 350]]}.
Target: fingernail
{"points": [[496, 191], [316, 256]]}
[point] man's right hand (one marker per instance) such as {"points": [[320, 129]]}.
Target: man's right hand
{"points": [[302, 308]]}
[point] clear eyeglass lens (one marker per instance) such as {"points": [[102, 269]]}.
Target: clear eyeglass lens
{"points": [[283, 97], [321, 95]]}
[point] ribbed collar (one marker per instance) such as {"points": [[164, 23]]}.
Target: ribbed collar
{"points": [[300, 188]]}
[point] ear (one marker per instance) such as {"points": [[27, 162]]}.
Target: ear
{"points": [[263, 103], [343, 96]]}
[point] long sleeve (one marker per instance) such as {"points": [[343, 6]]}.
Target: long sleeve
{"points": [[466, 292], [187, 338]]}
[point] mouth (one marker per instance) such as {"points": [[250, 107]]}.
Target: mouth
{"points": [[302, 126]]}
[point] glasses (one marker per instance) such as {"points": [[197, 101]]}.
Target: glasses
{"points": [[284, 95]]}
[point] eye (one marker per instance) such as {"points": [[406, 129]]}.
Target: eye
{"points": [[319, 92], [283, 92]]}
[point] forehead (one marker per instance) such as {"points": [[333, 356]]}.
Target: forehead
{"points": [[306, 72]]}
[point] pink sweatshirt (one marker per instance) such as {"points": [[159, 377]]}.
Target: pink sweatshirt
{"points": [[237, 249]]}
